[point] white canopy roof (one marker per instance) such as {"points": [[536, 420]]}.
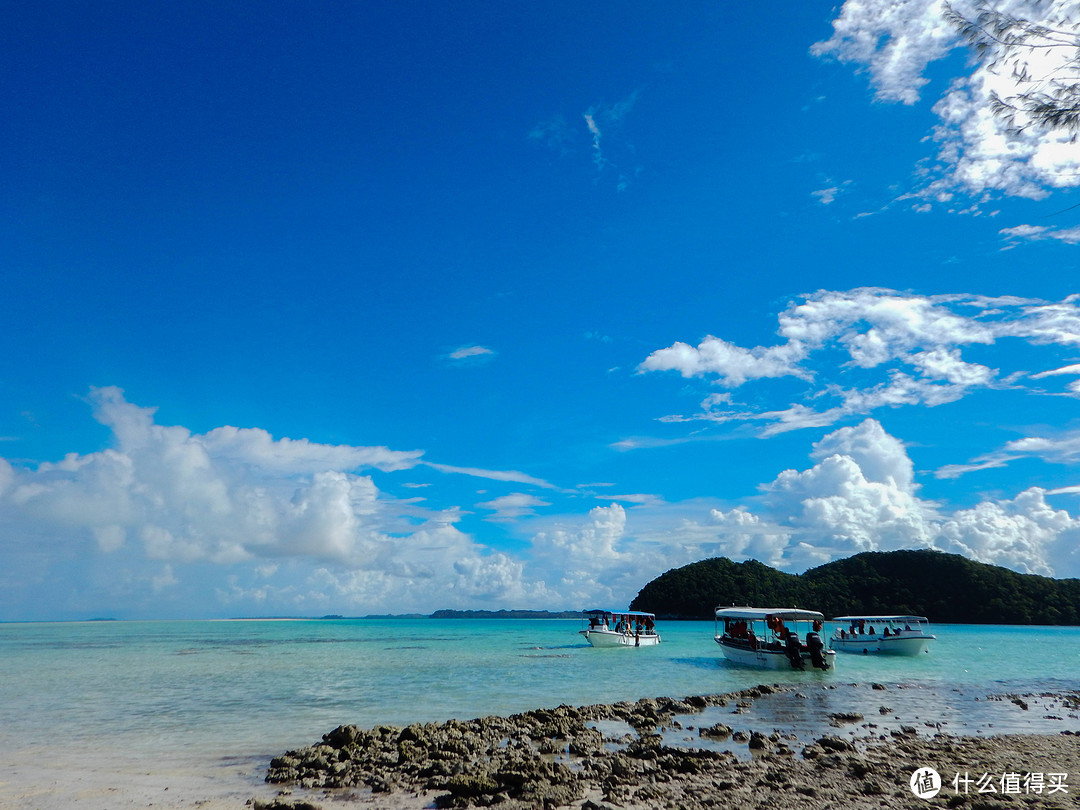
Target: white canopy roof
{"points": [[787, 614], [894, 618]]}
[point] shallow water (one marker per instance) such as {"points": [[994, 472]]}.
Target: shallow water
{"points": [[225, 696]]}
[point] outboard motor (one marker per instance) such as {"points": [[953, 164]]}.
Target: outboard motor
{"points": [[794, 651], [817, 648]]}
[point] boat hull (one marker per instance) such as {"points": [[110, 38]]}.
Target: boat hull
{"points": [[768, 659], [609, 638], [881, 645]]}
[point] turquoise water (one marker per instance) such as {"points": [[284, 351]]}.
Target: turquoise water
{"points": [[251, 689]]}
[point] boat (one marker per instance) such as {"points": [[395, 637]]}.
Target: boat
{"points": [[620, 628], [770, 638], [888, 635]]}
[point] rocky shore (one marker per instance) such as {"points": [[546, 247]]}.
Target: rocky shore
{"points": [[618, 756]]}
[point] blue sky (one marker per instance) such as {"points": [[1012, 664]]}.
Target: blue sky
{"points": [[379, 307]]}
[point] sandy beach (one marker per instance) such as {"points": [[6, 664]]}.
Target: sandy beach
{"points": [[674, 753]]}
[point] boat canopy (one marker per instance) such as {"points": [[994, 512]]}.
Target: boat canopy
{"points": [[879, 619], [638, 613], [787, 614]]}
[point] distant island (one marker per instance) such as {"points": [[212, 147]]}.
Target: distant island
{"points": [[507, 614], [469, 614], [943, 587]]}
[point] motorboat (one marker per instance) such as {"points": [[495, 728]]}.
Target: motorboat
{"points": [[620, 628], [888, 635], [771, 638]]}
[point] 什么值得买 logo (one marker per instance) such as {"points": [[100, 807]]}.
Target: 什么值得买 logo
{"points": [[925, 783]]}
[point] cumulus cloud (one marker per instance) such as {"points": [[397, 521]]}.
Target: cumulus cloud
{"points": [[238, 497], [860, 496], [243, 522], [896, 349], [590, 560], [979, 152], [1025, 534], [733, 365]]}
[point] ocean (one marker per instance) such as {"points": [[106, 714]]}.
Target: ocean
{"points": [[111, 714]]}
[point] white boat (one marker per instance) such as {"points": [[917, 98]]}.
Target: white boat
{"points": [[771, 638], [620, 628], [888, 635]]}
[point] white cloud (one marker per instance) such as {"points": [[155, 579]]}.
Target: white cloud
{"points": [[513, 506], [472, 352], [1073, 368], [859, 495], [894, 41], [511, 476], [1038, 233], [1025, 534], [837, 509], [897, 349], [592, 562], [880, 457], [602, 121], [239, 500], [732, 364], [1060, 449], [826, 196], [169, 521], [978, 152]]}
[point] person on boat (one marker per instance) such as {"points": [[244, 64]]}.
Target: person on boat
{"points": [[870, 630], [885, 633], [751, 639], [794, 650], [816, 646]]}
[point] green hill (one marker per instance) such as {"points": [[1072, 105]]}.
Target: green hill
{"points": [[943, 587]]}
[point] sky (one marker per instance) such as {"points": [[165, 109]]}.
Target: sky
{"points": [[362, 308]]}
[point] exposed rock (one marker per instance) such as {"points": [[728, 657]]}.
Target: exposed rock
{"points": [[498, 761], [284, 804], [759, 742], [835, 744], [716, 732], [839, 718]]}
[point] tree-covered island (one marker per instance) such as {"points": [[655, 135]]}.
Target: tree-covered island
{"points": [[943, 587]]}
